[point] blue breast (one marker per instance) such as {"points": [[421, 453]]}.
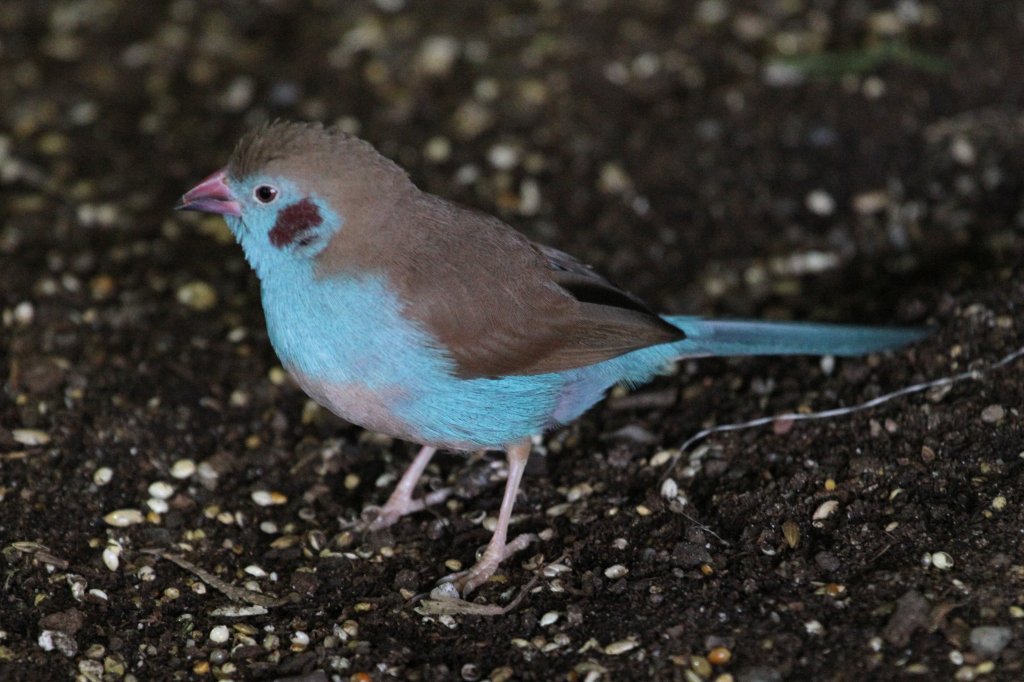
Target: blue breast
{"points": [[349, 333]]}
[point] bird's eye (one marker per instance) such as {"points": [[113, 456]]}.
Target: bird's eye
{"points": [[265, 194]]}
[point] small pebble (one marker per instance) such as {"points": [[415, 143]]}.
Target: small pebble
{"points": [[102, 476], [719, 655], [90, 670], [220, 634], [558, 509], [620, 647], [578, 492], [834, 589], [993, 414], [235, 611], [963, 151], [110, 557], [161, 490], [988, 641], [97, 214], [873, 88], [669, 489], [820, 203], [437, 56], [646, 65], [870, 202], [197, 295], [814, 627], [700, 669], [827, 364], [437, 150], [49, 640], [942, 561], [24, 313], [662, 457], [529, 197], [121, 518], [791, 531], [207, 475], [503, 157], [445, 591], [183, 468], [549, 618], [555, 569], [615, 571], [239, 93], [267, 498], [30, 437], [614, 179], [824, 510]]}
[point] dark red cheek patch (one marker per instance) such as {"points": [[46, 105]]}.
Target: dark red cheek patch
{"points": [[293, 221]]}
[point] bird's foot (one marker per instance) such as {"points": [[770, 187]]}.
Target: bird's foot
{"points": [[472, 578], [375, 518]]}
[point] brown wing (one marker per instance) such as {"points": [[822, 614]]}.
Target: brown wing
{"points": [[502, 305], [499, 304]]}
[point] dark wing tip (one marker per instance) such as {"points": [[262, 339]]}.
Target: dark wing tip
{"points": [[587, 286]]}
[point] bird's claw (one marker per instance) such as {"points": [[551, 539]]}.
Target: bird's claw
{"points": [[374, 518], [470, 579]]}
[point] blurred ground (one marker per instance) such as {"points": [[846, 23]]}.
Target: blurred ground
{"points": [[829, 160]]}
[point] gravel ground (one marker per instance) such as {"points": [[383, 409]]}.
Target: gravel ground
{"points": [[172, 507]]}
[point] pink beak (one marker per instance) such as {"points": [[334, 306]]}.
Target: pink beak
{"points": [[212, 195]]}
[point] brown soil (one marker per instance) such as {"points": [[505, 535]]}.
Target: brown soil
{"points": [[696, 152]]}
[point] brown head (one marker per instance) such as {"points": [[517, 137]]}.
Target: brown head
{"points": [[289, 187], [310, 154]]}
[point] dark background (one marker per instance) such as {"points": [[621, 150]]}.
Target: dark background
{"points": [[831, 160]]}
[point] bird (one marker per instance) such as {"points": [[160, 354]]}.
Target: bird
{"points": [[438, 324]]}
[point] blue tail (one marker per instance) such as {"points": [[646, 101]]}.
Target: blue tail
{"points": [[742, 337]]}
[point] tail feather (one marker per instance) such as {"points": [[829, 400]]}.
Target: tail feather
{"points": [[742, 337]]}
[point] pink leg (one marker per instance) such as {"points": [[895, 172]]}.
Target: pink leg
{"points": [[498, 549], [401, 501]]}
